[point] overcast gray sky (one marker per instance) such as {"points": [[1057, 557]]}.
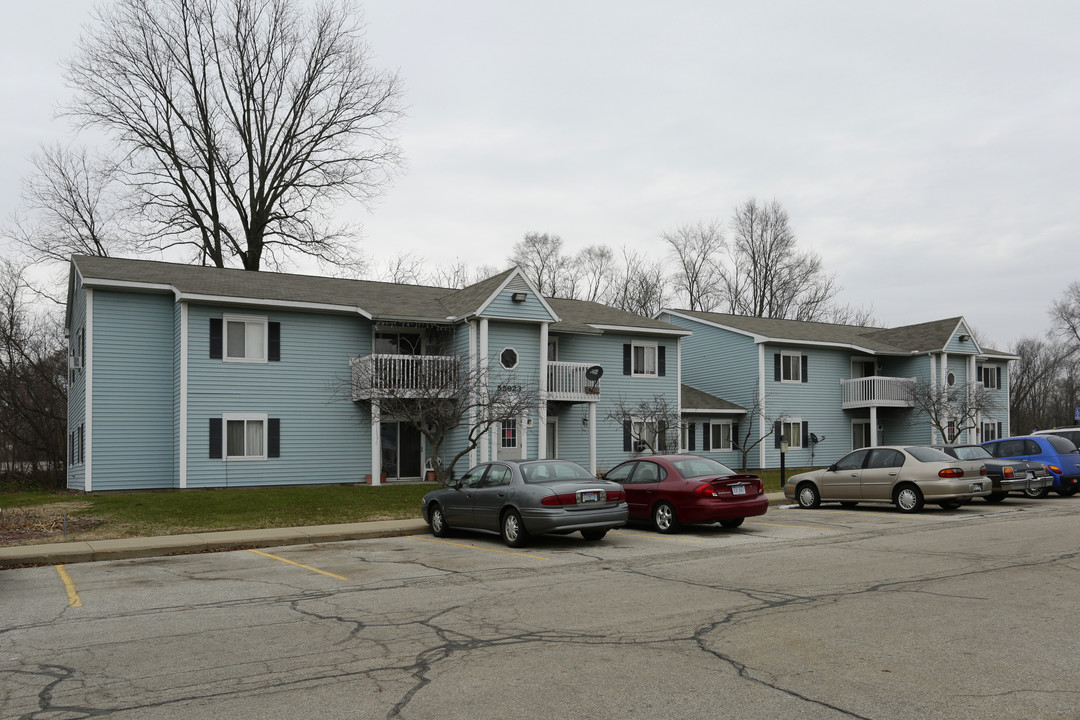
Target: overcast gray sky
{"points": [[928, 151]]}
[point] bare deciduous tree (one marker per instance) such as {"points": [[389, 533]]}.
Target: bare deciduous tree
{"points": [[240, 121], [697, 250], [653, 423], [1038, 384], [441, 398], [642, 287], [950, 410], [1065, 315], [767, 276], [404, 269], [595, 266], [540, 256]]}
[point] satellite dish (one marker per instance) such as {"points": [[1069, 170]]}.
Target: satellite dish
{"points": [[594, 373]]}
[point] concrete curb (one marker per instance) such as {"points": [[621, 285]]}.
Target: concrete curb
{"points": [[127, 548]]}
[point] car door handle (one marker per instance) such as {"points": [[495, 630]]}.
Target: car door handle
{"points": [[892, 474]]}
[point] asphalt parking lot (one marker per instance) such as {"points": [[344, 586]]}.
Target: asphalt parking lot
{"points": [[826, 613]]}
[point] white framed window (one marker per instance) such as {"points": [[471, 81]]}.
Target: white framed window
{"points": [[245, 338], [989, 431], [646, 434], [991, 376], [508, 358], [720, 435], [790, 367], [950, 378], [791, 428], [244, 436], [643, 359]]}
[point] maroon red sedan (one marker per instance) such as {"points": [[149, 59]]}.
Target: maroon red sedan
{"points": [[674, 490]]}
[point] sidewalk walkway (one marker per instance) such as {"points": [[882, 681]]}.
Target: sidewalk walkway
{"points": [[94, 550]]}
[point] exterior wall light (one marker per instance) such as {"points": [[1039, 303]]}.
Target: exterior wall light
{"points": [[519, 297]]}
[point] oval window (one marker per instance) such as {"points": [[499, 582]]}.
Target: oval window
{"points": [[950, 379], [509, 358]]}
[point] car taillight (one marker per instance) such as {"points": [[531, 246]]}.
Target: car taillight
{"points": [[561, 499], [982, 470], [1007, 472], [1054, 469], [951, 473], [616, 496], [706, 490]]}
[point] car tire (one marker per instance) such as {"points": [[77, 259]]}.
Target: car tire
{"points": [[1036, 492], [439, 528], [808, 496], [908, 499], [593, 534], [1069, 491], [513, 530], [848, 504], [996, 497], [731, 523], [664, 518], [950, 505]]}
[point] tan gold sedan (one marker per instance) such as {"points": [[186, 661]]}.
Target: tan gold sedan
{"points": [[905, 476]]}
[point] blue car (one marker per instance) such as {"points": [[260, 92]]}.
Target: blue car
{"points": [[1059, 456]]}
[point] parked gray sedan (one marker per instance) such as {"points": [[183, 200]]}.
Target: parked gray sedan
{"points": [[517, 499]]}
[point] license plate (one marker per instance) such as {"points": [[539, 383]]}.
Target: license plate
{"points": [[738, 489], [977, 487], [588, 496]]}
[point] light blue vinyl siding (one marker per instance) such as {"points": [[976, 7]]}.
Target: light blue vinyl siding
{"points": [[503, 306], [325, 436], [76, 415], [132, 391], [956, 345], [525, 340]]}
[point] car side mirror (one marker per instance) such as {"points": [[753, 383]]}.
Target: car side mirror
{"points": [[832, 468]]}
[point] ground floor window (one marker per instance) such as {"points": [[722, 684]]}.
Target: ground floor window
{"points": [[245, 437], [989, 431], [720, 436], [792, 432]]}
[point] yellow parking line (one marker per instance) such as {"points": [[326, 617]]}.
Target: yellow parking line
{"points": [[660, 539], [69, 586], [476, 547], [302, 565]]}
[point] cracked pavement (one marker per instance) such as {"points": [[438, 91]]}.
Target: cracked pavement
{"points": [[810, 614]]}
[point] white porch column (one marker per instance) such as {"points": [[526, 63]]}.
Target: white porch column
{"points": [[541, 411], [486, 443], [933, 384], [761, 404], [376, 442], [472, 372], [592, 438], [183, 440], [874, 439]]}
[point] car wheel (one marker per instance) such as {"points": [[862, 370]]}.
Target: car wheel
{"points": [[908, 499], [594, 534], [996, 497], [848, 504], [514, 533], [808, 496], [439, 528], [1068, 492], [950, 504], [731, 523], [663, 518], [1036, 492]]}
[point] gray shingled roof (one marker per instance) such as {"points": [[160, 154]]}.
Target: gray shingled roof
{"points": [[694, 399], [579, 316], [908, 339]]}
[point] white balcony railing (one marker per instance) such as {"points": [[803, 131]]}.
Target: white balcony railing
{"points": [[876, 391], [416, 375], [566, 381]]}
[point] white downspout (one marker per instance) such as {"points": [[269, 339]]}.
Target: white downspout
{"points": [[541, 411], [761, 404]]}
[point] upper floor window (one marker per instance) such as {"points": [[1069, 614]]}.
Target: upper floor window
{"points": [[397, 344], [990, 376], [790, 367], [245, 339], [644, 359]]}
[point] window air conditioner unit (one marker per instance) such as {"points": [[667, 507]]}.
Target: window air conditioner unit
{"points": [[639, 447], [74, 362]]}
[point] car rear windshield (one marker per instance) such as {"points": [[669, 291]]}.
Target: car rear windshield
{"points": [[928, 454], [1061, 444], [696, 467], [971, 452], [548, 470]]}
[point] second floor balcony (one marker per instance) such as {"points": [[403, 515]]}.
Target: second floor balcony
{"points": [[566, 381], [876, 391], [376, 376]]}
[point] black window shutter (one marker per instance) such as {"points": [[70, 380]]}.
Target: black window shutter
{"points": [[82, 346], [71, 449], [980, 373], [805, 368], [626, 355], [274, 342], [999, 430], [777, 432], [626, 439], [706, 436], [661, 360], [734, 436], [776, 366], [215, 436], [805, 434], [691, 436], [82, 442], [999, 379], [215, 340], [273, 437]]}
